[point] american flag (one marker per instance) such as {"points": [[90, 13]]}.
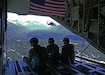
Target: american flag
{"points": [[47, 7]]}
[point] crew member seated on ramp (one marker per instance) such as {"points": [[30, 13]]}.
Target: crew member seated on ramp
{"points": [[53, 52], [68, 55], [37, 55]]}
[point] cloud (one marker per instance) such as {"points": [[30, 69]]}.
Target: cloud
{"points": [[23, 18]]}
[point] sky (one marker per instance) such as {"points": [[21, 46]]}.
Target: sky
{"points": [[23, 18]]}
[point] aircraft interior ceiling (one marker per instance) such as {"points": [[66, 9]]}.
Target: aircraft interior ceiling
{"points": [[87, 19]]}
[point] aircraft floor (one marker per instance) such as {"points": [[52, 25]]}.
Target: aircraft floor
{"points": [[18, 67]]}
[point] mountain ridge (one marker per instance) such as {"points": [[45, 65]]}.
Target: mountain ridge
{"points": [[57, 32]]}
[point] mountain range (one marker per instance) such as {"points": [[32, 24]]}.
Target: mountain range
{"points": [[19, 30]]}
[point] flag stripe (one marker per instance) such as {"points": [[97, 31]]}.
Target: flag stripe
{"points": [[44, 13], [32, 9], [55, 4], [56, 0], [50, 7], [35, 6]]}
